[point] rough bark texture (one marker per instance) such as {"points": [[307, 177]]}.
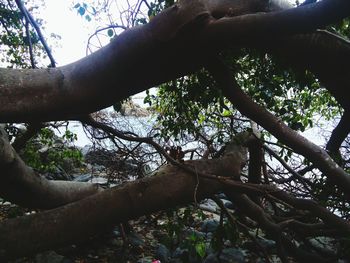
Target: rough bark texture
{"points": [[174, 43], [169, 187]]}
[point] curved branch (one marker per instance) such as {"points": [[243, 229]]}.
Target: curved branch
{"points": [[30, 19], [183, 35], [339, 134], [21, 185], [30, 132], [291, 138], [29, 234]]}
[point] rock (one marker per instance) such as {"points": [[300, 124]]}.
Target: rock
{"points": [[191, 231], [212, 258], [129, 108], [91, 179], [231, 255], [99, 180], [163, 253], [58, 174], [49, 256], [227, 255], [135, 240], [117, 242], [222, 196], [82, 177], [86, 149], [146, 260], [228, 204], [209, 226], [180, 253], [267, 244], [116, 232], [209, 205]]}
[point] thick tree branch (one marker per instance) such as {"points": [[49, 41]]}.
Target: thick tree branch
{"points": [[21, 185], [183, 34], [169, 187], [29, 133], [323, 53]]}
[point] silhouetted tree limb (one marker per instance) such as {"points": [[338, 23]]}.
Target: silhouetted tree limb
{"points": [[75, 89], [291, 138], [33, 233], [339, 134], [21, 185]]}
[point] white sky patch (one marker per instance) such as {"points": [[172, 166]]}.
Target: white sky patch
{"points": [[63, 20]]}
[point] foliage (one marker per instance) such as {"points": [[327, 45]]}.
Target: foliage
{"points": [[192, 108], [85, 10], [178, 232], [48, 152], [191, 103], [342, 28], [296, 97], [14, 42], [225, 231]]}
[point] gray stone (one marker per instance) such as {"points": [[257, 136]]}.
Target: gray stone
{"points": [[49, 256], [82, 177], [211, 258], [222, 196], [86, 149], [135, 240], [227, 255], [180, 253], [145, 260], [209, 205], [209, 226], [162, 253], [231, 255], [228, 204], [267, 244]]}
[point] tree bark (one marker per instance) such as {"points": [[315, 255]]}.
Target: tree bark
{"points": [[21, 185], [169, 187], [173, 44]]}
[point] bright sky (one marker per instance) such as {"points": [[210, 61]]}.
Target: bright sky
{"points": [[63, 20]]}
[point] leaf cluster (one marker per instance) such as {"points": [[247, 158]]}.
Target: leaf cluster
{"points": [[47, 152], [14, 42]]}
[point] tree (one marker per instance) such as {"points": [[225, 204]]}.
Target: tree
{"points": [[218, 43]]}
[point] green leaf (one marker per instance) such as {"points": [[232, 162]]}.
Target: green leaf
{"points": [[110, 32], [200, 249], [81, 11]]}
